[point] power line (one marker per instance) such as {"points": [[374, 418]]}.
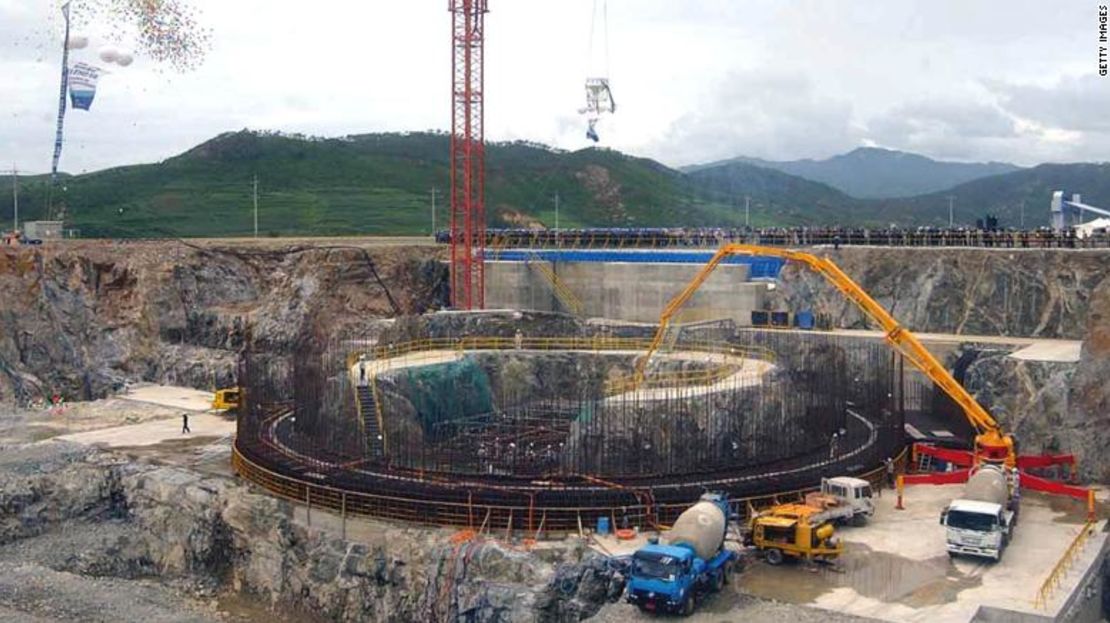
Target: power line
{"points": [[15, 197], [433, 211]]}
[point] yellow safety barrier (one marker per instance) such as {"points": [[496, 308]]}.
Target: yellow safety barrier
{"points": [[1050, 584], [380, 355], [677, 378], [596, 343]]}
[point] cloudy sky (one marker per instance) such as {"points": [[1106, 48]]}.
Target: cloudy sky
{"points": [[697, 80]]}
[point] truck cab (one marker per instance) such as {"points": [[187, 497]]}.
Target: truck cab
{"points": [[663, 578], [977, 528], [852, 495], [694, 560], [227, 399]]}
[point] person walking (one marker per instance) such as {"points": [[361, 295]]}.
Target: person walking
{"points": [[185, 424], [889, 471]]}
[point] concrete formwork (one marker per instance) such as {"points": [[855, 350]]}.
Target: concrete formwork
{"points": [[625, 290]]}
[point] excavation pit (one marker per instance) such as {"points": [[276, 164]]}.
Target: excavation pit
{"points": [[545, 432]]}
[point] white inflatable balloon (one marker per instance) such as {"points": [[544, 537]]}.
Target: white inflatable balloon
{"points": [[77, 42], [124, 59], [108, 54]]}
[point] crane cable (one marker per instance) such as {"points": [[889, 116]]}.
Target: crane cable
{"points": [[605, 36]]}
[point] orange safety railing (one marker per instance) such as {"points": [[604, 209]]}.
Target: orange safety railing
{"points": [[489, 517]]}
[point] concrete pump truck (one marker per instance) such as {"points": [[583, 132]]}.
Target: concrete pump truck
{"points": [[993, 456]]}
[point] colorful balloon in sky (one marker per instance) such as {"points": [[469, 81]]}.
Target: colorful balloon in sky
{"points": [[169, 32]]}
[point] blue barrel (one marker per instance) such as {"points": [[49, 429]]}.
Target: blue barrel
{"points": [[760, 318], [780, 319], [603, 525], [805, 320]]}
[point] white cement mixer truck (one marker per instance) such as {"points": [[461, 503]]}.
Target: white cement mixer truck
{"points": [[692, 560], [981, 521]]}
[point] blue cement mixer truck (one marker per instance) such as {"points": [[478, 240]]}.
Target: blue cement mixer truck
{"points": [[692, 560]]}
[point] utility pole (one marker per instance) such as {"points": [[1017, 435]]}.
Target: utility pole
{"points": [[556, 218], [1023, 214], [747, 210], [433, 211], [15, 197], [951, 213], [255, 206]]}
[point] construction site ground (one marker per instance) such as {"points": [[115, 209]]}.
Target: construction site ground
{"points": [[895, 568], [145, 421]]}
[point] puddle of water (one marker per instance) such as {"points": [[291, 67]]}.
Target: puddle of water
{"points": [[878, 575]]}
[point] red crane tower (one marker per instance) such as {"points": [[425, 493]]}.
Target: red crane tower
{"points": [[468, 160]]}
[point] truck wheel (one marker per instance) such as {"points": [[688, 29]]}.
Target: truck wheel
{"points": [[719, 581], [688, 606], [859, 520], [774, 556]]}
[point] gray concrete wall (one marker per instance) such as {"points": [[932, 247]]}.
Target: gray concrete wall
{"points": [[513, 285], [626, 290]]}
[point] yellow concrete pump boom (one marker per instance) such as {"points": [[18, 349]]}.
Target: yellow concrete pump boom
{"points": [[991, 443]]}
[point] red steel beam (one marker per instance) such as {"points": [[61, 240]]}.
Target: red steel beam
{"points": [[468, 168]]}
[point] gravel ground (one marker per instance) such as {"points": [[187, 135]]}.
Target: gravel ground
{"points": [[30, 425], [38, 593], [732, 606]]}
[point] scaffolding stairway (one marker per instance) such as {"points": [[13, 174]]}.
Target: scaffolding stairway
{"points": [[368, 413], [565, 296]]}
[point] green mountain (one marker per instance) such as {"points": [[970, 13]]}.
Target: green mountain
{"points": [[382, 184], [774, 197], [1008, 196], [794, 200], [367, 184], [869, 172]]}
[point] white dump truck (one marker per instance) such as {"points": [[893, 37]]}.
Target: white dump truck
{"points": [[981, 521], [843, 499]]}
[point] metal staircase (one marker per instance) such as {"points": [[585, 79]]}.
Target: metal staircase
{"points": [[565, 296], [368, 412]]}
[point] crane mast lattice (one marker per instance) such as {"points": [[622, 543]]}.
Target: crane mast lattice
{"points": [[468, 214]]}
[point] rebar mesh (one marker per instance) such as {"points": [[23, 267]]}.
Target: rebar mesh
{"points": [[512, 426]]}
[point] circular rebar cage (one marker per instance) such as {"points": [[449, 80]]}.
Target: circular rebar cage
{"points": [[425, 420]]}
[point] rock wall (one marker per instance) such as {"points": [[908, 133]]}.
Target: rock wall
{"points": [[1089, 389], [214, 534], [83, 318], [1054, 293], [1042, 293]]}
